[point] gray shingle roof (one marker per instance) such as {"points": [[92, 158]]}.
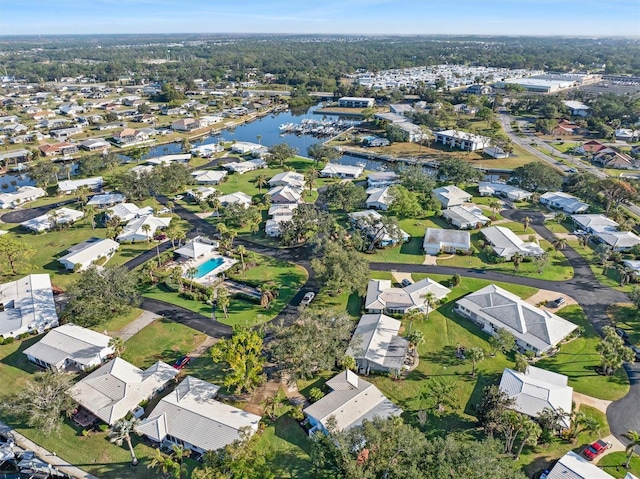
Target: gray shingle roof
{"points": [[376, 339]]}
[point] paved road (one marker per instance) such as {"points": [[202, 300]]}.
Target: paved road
{"points": [[20, 215], [189, 318]]}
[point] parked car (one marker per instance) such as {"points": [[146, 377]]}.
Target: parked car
{"points": [[308, 297], [622, 333], [182, 362], [556, 303], [595, 449], [406, 282], [572, 170]]}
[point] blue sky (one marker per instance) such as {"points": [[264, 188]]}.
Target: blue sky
{"points": [[496, 17]]}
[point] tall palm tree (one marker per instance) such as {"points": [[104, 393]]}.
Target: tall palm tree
{"points": [[147, 229], [634, 437], [259, 138], [121, 432], [224, 300], [430, 301], [559, 244], [90, 213], [191, 274], [517, 260], [476, 355], [494, 204], [415, 338], [241, 250], [413, 315], [53, 218], [118, 346], [82, 192], [526, 221], [165, 464], [261, 181]]}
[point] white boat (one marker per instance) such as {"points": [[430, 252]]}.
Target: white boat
{"points": [[381, 168], [361, 164]]}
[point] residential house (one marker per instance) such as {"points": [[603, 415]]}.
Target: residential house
{"points": [[479, 90], [536, 330], [241, 167], [238, 197], [574, 466], [537, 389], [619, 240], [356, 102], [563, 201], [51, 219], [106, 200], [351, 401], [379, 198], [577, 108], [451, 196], [376, 344], [28, 306], [288, 178], [129, 136], [370, 222], [22, 195], [15, 156], [595, 223], [590, 148], [279, 214], [465, 217], [246, 147], [70, 347], [168, 159], [197, 247], [285, 195], [68, 187], [382, 179], [65, 133], [609, 158], [186, 124], [383, 298], [438, 240], [503, 190], [336, 170], [208, 177], [63, 149], [83, 255], [127, 212], [462, 140], [95, 144], [208, 150], [565, 127], [192, 418], [495, 152], [135, 229], [201, 193], [627, 134], [117, 388], [14, 129], [506, 244]]}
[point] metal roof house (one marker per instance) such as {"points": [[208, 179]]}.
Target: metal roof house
{"points": [[537, 389], [449, 241], [128, 211], [451, 195], [376, 345], [28, 306], [351, 401], [510, 192], [507, 244], [336, 170], [197, 247], [48, 221], [574, 466], [70, 346], [563, 201], [118, 387], [191, 417], [370, 222], [107, 200], [208, 177], [494, 308], [69, 186], [383, 298], [20, 196], [465, 217], [134, 231], [84, 254]]}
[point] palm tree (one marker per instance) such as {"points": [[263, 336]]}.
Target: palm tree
{"points": [[349, 362], [272, 404], [90, 213], [560, 217], [167, 466], [517, 261], [121, 432], [634, 436], [413, 315], [241, 250], [118, 346], [259, 138], [191, 274], [310, 178], [224, 300], [53, 217], [430, 301], [531, 433], [261, 180], [147, 229], [476, 355], [415, 338], [170, 206], [559, 244], [526, 221], [494, 204], [82, 192]]}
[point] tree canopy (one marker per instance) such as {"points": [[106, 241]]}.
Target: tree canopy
{"points": [[340, 270], [242, 357], [536, 176]]}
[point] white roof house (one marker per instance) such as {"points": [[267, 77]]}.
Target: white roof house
{"points": [[197, 247], [595, 223], [168, 159], [494, 308], [351, 401], [462, 140], [108, 199], [382, 178], [451, 196], [288, 178], [191, 414], [537, 389], [619, 240], [465, 217], [241, 167], [506, 243], [244, 147], [574, 466], [70, 346], [438, 239], [69, 186], [116, 388], [369, 221], [383, 298], [379, 198], [28, 306], [577, 108], [128, 211], [237, 197], [285, 195], [563, 201], [20, 196], [376, 345], [86, 253], [336, 170], [208, 177], [501, 189], [201, 192], [47, 221], [133, 230]]}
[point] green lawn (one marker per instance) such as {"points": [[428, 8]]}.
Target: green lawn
{"points": [[625, 316], [578, 359], [614, 464], [612, 276], [162, 340], [116, 323]]}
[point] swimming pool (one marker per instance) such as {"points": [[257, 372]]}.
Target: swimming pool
{"points": [[208, 266]]}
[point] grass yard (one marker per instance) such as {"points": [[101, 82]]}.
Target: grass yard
{"points": [[612, 276], [625, 316], [116, 323], [578, 359], [614, 464]]}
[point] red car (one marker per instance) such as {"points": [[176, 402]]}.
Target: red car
{"points": [[594, 450], [182, 362]]}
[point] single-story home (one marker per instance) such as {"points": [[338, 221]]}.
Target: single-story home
{"points": [[465, 217], [201, 193], [288, 178], [191, 417], [565, 127], [383, 298], [618, 240], [577, 108], [376, 345], [49, 220], [336, 170], [208, 177], [381, 179], [134, 230], [627, 134], [563, 201], [128, 211], [95, 144], [574, 466], [379, 198], [537, 389], [501, 189], [208, 150], [245, 147], [237, 197], [117, 388], [438, 240], [507, 244], [68, 187], [28, 306], [20, 196], [164, 160], [369, 221], [285, 195], [106, 200], [241, 167], [451, 196], [495, 152], [197, 247], [84, 254], [590, 147], [351, 401], [595, 223], [70, 347], [535, 329], [609, 158]]}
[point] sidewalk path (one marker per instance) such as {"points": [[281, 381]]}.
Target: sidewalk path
{"points": [[145, 318], [46, 456]]}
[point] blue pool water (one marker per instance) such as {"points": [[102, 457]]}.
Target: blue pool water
{"points": [[208, 266]]}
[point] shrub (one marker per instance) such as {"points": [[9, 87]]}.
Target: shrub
{"points": [[103, 427], [191, 295], [315, 394], [1, 340]]}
